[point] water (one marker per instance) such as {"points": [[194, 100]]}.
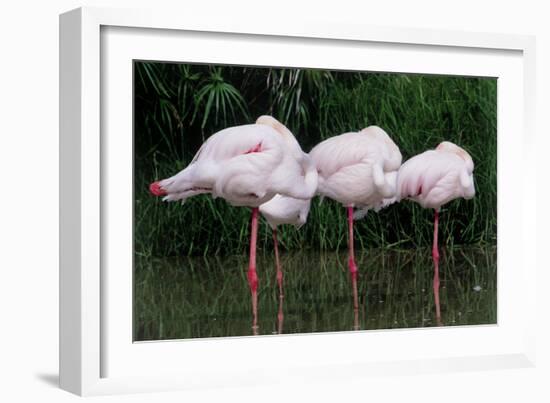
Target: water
{"points": [[180, 298]]}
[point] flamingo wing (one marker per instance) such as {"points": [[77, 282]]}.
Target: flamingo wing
{"points": [[434, 178], [354, 167]]}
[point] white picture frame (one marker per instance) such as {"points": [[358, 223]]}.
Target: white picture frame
{"points": [[96, 355]]}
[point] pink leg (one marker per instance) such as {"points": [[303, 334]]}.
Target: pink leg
{"points": [[435, 256], [351, 261], [278, 264], [252, 276]]}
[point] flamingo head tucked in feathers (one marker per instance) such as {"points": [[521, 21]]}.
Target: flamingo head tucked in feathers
{"points": [[447, 146]]}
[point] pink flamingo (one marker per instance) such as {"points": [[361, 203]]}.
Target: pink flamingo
{"points": [[285, 210], [359, 170], [432, 179], [247, 166]]}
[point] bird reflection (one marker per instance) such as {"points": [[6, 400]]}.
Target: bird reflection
{"points": [[436, 300], [356, 318], [280, 315]]}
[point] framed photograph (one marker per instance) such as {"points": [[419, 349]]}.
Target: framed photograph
{"points": [[232, 190]]}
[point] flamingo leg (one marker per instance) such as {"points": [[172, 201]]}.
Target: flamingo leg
{"points": [[278, 264], [435, 256], [351, 261], [252, 276]]}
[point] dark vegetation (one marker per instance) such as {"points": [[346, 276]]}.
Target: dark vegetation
{"points": [[177, 106]]}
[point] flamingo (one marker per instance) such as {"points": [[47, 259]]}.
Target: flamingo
{"points": [[247, 166], [285, 210], [282, 210], [359, 170], [433, 179]]}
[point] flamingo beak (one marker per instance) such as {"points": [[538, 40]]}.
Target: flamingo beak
{"points": [[156, 189]]}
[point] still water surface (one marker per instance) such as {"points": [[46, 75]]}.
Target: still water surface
{"points": [[177, 298]]}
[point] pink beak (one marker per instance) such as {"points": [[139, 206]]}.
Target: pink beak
{"points": [[156, 190]]}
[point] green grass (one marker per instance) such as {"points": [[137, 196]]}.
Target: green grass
{"points": [[178, 106]]}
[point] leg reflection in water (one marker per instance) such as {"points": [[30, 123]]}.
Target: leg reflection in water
{"points": [[353, 266], [356, 319], [438, 320], [280, 316], [435, 257]]}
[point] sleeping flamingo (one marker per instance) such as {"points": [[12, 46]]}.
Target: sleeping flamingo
{"points": [[432, 179], [357, 169], [247, 166]]}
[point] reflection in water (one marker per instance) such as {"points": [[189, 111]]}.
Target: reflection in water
{"points": [[353, 268], [436, 294], [279, 276], [209, 297], [280, 315], [435, 257], [356, 319]]}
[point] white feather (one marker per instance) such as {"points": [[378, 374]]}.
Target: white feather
{"points": [[438, 176], [247, 166], [358, 168]]}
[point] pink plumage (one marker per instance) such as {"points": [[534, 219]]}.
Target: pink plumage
{"points": [[247, 166], [438, 176], [283, 209], [432, 179], [288, 209], [359, 170]]}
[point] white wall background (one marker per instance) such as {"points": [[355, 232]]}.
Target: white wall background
{"points": [[29, 199]]}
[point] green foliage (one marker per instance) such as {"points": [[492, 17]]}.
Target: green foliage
{"points": [[296, 94], [177, 106], [219, 98]]}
